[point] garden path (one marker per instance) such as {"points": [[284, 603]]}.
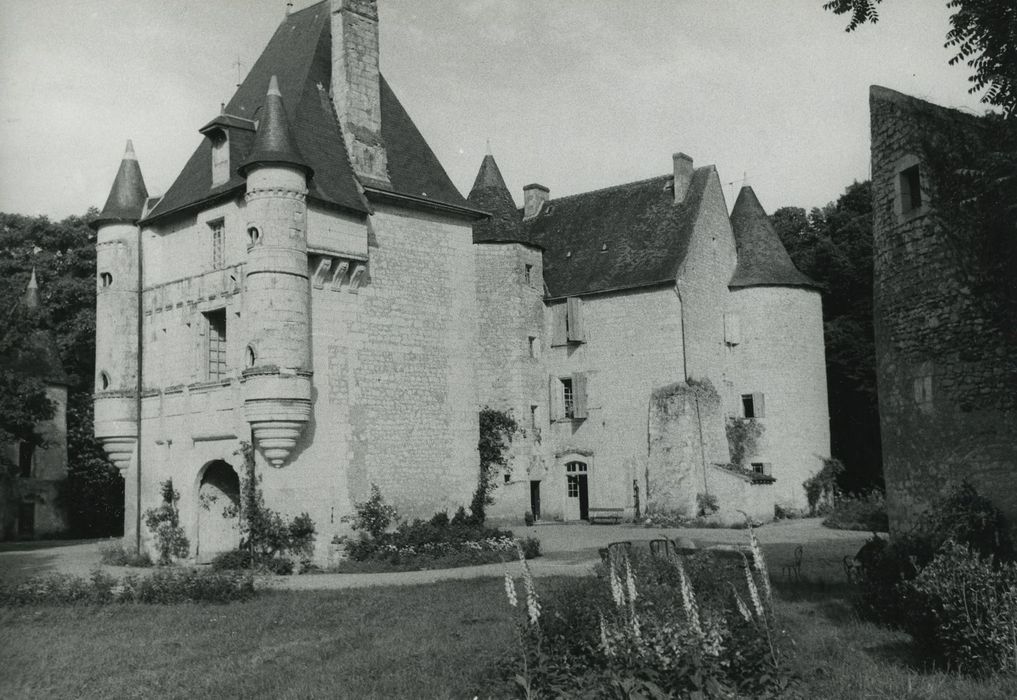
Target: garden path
{"points": [[569, 550]]}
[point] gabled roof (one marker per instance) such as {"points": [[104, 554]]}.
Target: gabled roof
{"points": [[627, 236], [491, 194], [300, 55], [127, 196], [762, 258]]}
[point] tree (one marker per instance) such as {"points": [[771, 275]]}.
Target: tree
{"points": [[63, 255], [982, 32], [833, 246]]}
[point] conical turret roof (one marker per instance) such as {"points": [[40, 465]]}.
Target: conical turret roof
{"points": [[126, 200], [762, 259], [31, 299], [491, 194], [274, 142]]}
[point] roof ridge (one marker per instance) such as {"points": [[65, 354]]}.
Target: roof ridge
{"points": [[622, 185]]}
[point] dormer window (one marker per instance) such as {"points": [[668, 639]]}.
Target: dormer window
{"points": [[220, 157]]}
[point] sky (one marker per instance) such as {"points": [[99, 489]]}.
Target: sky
{"points": [[574, 94]]}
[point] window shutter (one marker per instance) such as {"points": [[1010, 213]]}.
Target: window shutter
{"points": [[757, 405], [579, 395], [558, 312], [554, 399], [576, 332]]}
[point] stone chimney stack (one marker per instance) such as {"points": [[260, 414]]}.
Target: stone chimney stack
{"points": [[682, 176], [534, 198], [356, 87]]}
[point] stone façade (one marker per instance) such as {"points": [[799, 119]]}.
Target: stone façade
{"points": [[331, 298], [946, 349]]}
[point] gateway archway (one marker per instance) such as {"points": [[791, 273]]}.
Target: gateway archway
{"points": [[218, 511]]}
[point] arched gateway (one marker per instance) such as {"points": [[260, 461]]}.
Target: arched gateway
{"points": [[218, 511]]}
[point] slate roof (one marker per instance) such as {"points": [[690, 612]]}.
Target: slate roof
{"points": [[647, 235], [274, 142], [491, 194], [127, 197], [300, 55], [762, 258]]}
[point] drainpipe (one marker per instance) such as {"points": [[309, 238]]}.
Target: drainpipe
{"points": [[140, 384]]}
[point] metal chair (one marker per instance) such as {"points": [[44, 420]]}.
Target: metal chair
{"points": [[793, 569]]}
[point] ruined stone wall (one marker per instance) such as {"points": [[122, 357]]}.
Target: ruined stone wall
{"points": [[946, 359], [780, 354], [633, 345], [510, 375]]}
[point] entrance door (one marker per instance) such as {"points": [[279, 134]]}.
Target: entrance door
{"points": [[535, 499], [26, 519], [577, 503], [218, 506]]}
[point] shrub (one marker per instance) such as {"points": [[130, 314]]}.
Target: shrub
{"points": [[164, 522], [866, 512], [961, 516], [743, 438], [821, 487], [241, 560], [531, 547], [706, 504], [963, 611], [372, 516], [528, 518], [162, 586], [115, 554], [263, 531]]}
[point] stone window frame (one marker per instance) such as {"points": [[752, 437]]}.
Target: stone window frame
{"points": [[217, 230], [218, 370], [754, 403], [900, 168]]}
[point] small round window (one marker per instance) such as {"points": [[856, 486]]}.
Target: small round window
{"points": [[103, 381], [105, 279], [249, 356], [253, 235]]}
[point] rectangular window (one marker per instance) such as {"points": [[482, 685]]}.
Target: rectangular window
{"points": [[910, 189], [533, 346], [567, 322], [528, 274], [26, 455], [216, 344], [533, 417], [218, 244], [573, 486], [568, 399], [758, 468], [752, 405]]}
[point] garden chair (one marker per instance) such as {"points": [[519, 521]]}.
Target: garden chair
{"points": [[615, 551], [793, 569], [663, 548]]}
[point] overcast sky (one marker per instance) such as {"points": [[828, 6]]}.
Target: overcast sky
{"points": [[573, 94]]}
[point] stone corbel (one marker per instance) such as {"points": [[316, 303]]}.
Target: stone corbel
{"points": [[340, 273], [324, 265], [356, 277]]}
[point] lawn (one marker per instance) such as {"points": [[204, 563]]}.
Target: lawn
{"points": [[433, 641]]}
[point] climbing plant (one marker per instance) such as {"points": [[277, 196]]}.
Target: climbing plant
{"points": [[496, 431], [743, 438]]}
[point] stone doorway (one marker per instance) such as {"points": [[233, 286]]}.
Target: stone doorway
{"points": [[218, 511], [577, 501]]}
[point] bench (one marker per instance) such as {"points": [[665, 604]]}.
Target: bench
{"points": [[611, 516]]}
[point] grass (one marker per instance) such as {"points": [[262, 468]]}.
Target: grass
{"points": [[432, 641], [441, 640]]}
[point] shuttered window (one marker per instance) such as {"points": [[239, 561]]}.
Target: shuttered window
{"points": [[216, 340], [568, 397], [575, 332]]}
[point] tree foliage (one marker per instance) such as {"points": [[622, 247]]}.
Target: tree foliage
{"points": [[983, 33], [63, 256], [833, 245]]}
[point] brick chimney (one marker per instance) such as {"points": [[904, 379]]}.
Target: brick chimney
{"points": [[682, 176], [534, 198], [356, 88]]}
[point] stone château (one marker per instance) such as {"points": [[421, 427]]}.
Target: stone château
{"points": [[314, 283]]}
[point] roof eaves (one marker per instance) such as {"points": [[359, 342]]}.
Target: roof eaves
{"points": [[610, 290], [423, 203], [213, 198]]}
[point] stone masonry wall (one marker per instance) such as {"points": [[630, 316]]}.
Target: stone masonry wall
{"points": [[781, 355], [946, 363], [511, 376]]}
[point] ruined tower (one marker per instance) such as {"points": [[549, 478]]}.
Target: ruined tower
{"points": [[116, 318], [277, 373]]}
